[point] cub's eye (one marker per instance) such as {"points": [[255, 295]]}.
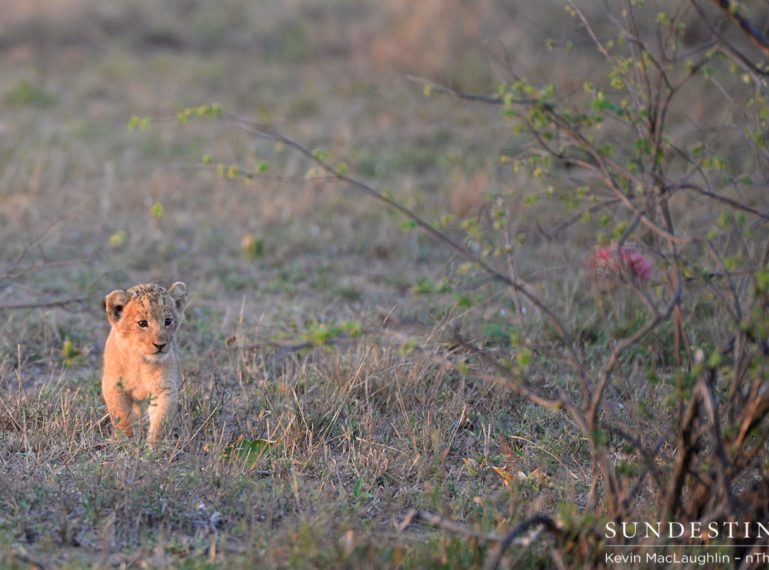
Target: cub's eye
{"points": [[143, 324], [168, 322]]}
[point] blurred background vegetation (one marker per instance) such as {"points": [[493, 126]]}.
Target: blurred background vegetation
{"points": [[300, 444]]}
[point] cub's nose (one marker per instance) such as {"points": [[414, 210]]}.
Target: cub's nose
{"points": [[160, 347]]}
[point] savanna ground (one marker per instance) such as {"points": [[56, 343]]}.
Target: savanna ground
{"points": [[315, 410]]}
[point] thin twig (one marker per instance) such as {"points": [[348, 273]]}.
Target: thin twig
{"points": [[270, 133], [537, 520], [44, 304], [415, 515], [746, 25]]}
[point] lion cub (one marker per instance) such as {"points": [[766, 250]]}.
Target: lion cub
{"points": [[141, 361]]}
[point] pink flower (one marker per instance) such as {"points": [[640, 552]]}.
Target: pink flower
{"points": [[640, 267], [629, 264]]}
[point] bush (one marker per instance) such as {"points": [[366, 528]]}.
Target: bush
{"points": [[646, 185]]}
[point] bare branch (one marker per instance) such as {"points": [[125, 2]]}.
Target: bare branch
{"points": [[727, 46], [745, 25], [537, 520], [44, 304], [737, 205], [264, 131], [456, 528]]}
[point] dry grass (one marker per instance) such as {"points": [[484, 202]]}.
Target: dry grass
{"points": [[348, 432], [363, 431]]}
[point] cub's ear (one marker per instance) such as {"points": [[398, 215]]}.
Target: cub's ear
{"points": [[178, 292], [114, 303]]}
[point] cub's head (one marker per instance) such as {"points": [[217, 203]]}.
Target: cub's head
{"points": [[146, 317]]}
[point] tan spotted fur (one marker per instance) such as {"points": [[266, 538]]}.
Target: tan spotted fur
{"points": [[141, 357]]}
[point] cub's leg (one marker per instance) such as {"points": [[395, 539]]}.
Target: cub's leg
{"points": [[136, 417], [120, 406], [162, 411]]}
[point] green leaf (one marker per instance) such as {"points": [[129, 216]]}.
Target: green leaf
{"points": [[714, 163], [407, 347], [248, 451], [352, 328], [320, 334], [70, 353], [600, 104], [531, 199], [157, 211], [762, 281], [464, 301], [118, 239], [423, 286], [252, 246], [524, 357], [141, 123]]}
